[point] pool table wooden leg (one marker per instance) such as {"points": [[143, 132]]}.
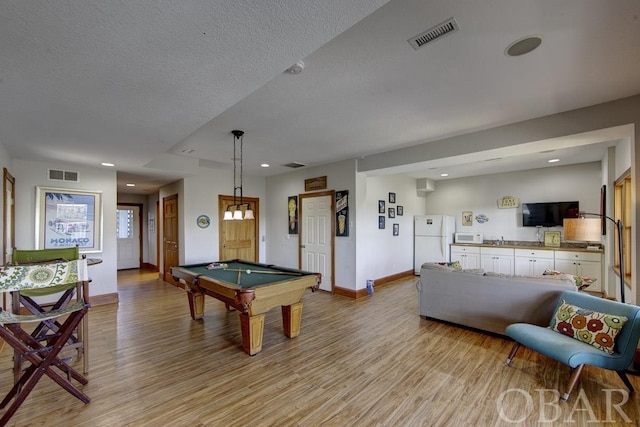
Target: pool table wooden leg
{"points": [[291, 319], [252, 331], [196, 304]]}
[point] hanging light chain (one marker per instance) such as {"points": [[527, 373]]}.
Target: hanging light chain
{"points": [[241, 164]]}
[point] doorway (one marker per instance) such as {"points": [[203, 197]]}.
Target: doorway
{"points": [[317, 237], [171, 243], [8, 221], [238, 239], [129, 236]]}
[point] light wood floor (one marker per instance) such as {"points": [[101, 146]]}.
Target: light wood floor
{"points": [[371, 362]]}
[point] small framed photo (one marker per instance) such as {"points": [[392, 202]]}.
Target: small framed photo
{"points": [[400, 210], [396, 229], [467, 218], [392, 212], [381, 222], [392, 197], [380, 206]]}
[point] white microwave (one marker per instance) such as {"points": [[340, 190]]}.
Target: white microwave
{"points": [[468, 238]]}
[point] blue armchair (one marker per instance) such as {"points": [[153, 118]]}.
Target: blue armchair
{"points": [[576, 353]]}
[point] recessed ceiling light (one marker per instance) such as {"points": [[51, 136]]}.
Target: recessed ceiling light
{"points": [[265, 165], [523, 46], [444, 174], [107, 164], [130, 185], [554, 160]]}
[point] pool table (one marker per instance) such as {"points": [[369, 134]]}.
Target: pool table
{"points": [[252, 289]]}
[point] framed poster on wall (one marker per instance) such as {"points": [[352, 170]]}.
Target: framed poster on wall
{"points": [[342, 213], [66, 218]]}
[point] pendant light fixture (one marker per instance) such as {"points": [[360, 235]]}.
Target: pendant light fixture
{"points": [[237, 207]]}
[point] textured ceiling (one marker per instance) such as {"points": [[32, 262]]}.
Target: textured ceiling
{"points": [[137, 82]]}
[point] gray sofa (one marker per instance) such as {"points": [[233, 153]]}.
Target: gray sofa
{"points": [[489, 302]]}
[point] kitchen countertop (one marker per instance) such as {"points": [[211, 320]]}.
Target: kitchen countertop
{"points": [[515, 244]]}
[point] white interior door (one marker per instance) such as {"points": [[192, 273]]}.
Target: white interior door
{"points": [[128, 229], [316, 233]]}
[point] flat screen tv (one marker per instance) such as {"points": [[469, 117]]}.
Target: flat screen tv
{"points": [[548, 214]]}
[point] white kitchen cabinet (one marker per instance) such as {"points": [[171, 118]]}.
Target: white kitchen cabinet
{"points": [[469, 256], [586, 264], [533, 262], [497, 260]]}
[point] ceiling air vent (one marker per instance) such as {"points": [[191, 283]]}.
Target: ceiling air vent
{"points": [[60, 175], [295, 165], [447, 27]]}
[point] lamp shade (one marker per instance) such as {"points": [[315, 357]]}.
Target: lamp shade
{"points": [[583, 229], [237, 214], [248, 214], [228, 215]]}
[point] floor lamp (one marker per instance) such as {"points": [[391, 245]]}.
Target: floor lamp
{"points": [[590, 230]]}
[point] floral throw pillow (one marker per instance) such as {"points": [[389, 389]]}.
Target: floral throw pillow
{"points": [[592, 327]]}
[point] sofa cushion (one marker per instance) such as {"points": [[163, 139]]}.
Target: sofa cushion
{"points": [[437, 266], [559, 279], [592, 327], [581, 282]]}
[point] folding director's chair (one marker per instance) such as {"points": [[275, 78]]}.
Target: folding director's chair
{"points": [[29, 298], [43, 356]]}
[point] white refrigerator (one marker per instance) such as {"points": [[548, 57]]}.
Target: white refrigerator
{"points": [[433, 235]]}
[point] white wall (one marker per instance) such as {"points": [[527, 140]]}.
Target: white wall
{"points": [[198, 195], [281, 247], [480, 194], [30, 174], [152, 232], [379, 253], [623, 157]]}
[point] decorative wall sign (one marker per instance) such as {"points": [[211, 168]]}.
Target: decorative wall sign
{"points": [[482, 218], [203, 221], [552, 238], [508, 202], [342, 213], [292, 207], [467, 218], [313, 184], [66, 218]]}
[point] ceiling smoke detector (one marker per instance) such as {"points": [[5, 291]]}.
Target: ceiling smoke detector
{"points": [[296, 68]]}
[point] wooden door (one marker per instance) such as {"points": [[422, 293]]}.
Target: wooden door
{"points": [[171, 254], [8, 224], [238, 239], [316, 236]]}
